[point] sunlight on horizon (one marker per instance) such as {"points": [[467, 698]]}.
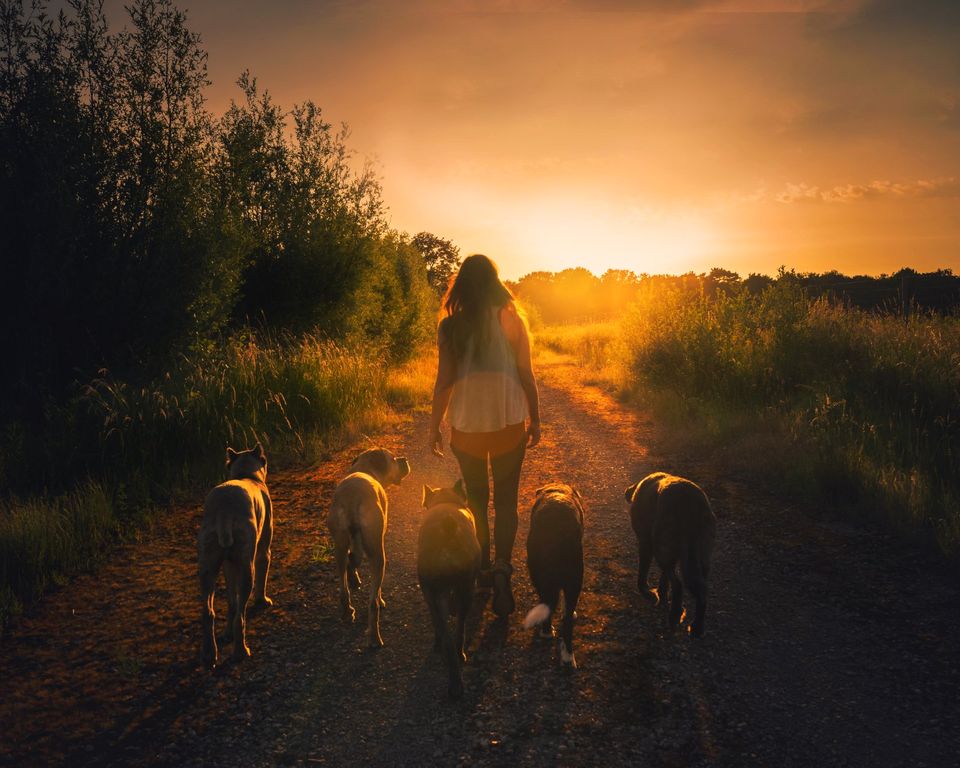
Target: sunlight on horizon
{"points": [[578, 233], [527, 232]]}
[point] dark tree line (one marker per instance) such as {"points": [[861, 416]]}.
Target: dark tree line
{"points": [[135, 223]]}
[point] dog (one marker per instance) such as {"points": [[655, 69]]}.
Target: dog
{"points": [[674, 523], [357, 521], [236, 532], [448, 561], [555, 560]]}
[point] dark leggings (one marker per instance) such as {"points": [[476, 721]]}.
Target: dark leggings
{"points": [[506, 487]]}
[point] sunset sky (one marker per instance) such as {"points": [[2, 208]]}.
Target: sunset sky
{"points": [[651, 135]]}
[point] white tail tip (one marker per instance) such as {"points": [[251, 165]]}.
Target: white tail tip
{"points": [[537, 615]]}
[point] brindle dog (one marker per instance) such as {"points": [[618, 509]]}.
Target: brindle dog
{"points": [[448, 561]]}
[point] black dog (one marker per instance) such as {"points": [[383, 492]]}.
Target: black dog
{"points": [[555, 560], [675, 524]]}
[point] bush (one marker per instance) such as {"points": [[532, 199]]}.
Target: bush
{"points": [[873, 398]]}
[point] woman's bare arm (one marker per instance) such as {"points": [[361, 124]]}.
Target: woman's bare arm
{"points": [[520, 340], [442, 389]]}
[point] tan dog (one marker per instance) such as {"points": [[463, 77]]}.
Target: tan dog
{"points": [[448, 561], [357, 522], [675, 524], [235, 532]]}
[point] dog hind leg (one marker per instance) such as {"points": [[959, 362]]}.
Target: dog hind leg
{"points": [[663, 588], [347, 613], [378, 565], [245, 576], [550, 596], [231, 576], [375, 549], [645, 556], [452, 656], [356, 556], [208, 571], [571, 595], [676, 598], [263, 563], [463, 599], [694, 579], [432, 598]]}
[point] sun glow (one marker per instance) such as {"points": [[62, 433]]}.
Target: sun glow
{"points": [[572, 233], [526, 230]]}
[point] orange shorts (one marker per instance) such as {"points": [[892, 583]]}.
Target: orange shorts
{"points": [[482, 444]]}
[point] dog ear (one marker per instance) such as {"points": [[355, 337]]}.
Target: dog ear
{"points": [[260, 453], [231, 455], [628, 494], [459, 488]]}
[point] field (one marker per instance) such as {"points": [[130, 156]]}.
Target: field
{"points": [[852, 409]]}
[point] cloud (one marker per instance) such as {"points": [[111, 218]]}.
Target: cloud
{"points": [[874, 190]]}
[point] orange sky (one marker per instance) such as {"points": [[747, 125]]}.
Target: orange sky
{"points": [[652, 135]]}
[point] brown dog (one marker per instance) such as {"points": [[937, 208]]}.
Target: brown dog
{"points": [[235, 532], [357, 522], [448, 561], [674, 523]]}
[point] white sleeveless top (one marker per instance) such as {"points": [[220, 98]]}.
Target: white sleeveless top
{"points": [[487, 395]]}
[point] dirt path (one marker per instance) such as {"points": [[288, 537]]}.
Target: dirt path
{"points": [[825, 644]]}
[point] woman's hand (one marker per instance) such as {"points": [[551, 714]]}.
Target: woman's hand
{"points": [[533, 434], [435, 442]]}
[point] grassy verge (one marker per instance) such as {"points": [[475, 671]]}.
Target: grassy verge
{"points": [[117, 450], [854, 410], [595, 346]]}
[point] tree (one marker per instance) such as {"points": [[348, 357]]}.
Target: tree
{"points": [[720, 280], [441, 256], [757, 283]]}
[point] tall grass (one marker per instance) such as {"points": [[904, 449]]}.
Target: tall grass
{"points": [[44, 540], [862, 410], [116, 450], [595, 347]]}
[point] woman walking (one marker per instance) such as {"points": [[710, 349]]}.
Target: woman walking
{"points": [[486, 387]]}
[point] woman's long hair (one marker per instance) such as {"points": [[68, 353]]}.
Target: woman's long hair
{"points": [[476, 288]]}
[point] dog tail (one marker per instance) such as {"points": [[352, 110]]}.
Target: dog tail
{"points": [[224, 532], [537, 615], [356, 541]]}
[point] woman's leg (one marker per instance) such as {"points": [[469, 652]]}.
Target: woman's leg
{"points": [[506, 487], [475, 478]]}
